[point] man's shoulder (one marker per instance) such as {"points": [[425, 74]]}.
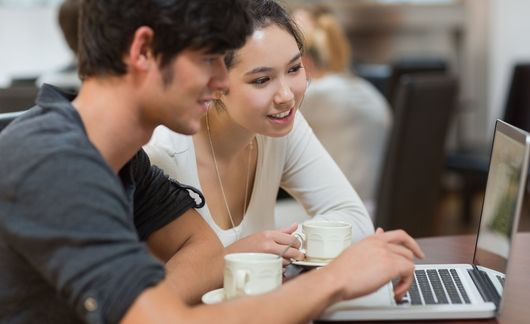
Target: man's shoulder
{"points": [[43, 129], [40, 136]]}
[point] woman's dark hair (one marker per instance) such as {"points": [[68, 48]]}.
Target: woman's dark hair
{"points": [[107, 28], [264, 13]]}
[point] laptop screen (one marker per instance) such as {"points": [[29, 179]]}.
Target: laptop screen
{"points": [[503, 197]]}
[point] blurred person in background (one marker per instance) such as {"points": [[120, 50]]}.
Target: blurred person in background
{"points": [[348, 115], [66, 77]]}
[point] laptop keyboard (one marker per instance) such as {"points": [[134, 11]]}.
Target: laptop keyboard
{"points": [[501, 280], [437, 286]]}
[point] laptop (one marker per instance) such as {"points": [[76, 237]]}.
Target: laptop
{"points": [[459, 291]]}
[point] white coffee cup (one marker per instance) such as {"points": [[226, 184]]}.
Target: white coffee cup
{"points": [[325, 240], [251, 274]]}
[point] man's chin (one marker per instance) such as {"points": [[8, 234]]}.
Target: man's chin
{"points": [[189, 129]]}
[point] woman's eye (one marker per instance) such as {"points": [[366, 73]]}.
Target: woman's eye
{"points": [[295, 68], [260, 81]]}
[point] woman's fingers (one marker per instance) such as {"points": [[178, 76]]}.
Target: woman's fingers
{"points": [[289, 229], [293, 253], [282, 244], [285, 240], [286, 262]]}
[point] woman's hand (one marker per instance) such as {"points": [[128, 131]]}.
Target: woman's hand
{"points": [[273, 241]]}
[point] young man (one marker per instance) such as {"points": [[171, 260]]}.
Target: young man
{"points": [[77, 193]]}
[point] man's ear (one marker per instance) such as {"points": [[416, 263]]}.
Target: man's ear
{"points": [[140, 55]]}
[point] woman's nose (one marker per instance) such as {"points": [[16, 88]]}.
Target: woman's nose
{"points": [[284, 94]]}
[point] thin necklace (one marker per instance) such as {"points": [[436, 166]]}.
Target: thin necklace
{"points": [[221, 182]]}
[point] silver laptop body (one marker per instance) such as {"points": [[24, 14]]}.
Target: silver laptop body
{"points": [[458, 291]]}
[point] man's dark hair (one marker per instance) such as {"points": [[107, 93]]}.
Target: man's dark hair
{"points": [[107, 28]]}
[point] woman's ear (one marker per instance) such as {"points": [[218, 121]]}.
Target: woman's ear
{"points": [[140, 54], [309, 65]]}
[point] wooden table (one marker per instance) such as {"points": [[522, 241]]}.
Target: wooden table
{"points": [[459, 249]]}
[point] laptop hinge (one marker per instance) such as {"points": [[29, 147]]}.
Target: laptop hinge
{"points": [[485, 286]]}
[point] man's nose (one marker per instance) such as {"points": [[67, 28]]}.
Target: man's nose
{"points": [[219, 81]]}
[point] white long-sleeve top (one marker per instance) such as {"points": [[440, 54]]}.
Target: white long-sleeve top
{"points": [[349, 115], [297, 162]]}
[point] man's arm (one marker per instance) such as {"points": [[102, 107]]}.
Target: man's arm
{"points": [[286, 305], [193, 255], [359, 270]]}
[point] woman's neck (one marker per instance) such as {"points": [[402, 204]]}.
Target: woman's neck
{"points": [[228, 138]]}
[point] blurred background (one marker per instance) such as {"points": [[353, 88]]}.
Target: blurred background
{"points": [[447, 69]]}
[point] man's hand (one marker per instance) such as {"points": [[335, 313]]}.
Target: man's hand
{"points": [[374, 261]]}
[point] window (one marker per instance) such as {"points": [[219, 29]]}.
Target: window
{"points": [[28, 3]]}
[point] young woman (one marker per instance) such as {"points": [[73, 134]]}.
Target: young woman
{"points": [[254, 141]]}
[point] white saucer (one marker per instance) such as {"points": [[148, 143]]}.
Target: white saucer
{"points": [[213, 296], [309, 263]]}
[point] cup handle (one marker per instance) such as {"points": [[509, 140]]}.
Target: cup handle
{"points": [[300, 237], [241, 279]]}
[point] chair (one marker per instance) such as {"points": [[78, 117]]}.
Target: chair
{"points": [[17, 97], [7, 118], [377, 74], [471, 164], [517, 111], [410, 181], [409, 66]]}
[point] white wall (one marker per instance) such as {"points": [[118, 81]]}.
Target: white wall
{"points": [[510, 42], [31, 42], [473, 71]]}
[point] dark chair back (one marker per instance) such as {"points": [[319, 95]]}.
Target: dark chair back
{"points": [[410, 183], [517, 111], [471, 163], [7, 118], [409, 66], [17, 98]]}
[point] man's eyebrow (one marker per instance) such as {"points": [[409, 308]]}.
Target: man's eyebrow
{"points": [[262, 69]]}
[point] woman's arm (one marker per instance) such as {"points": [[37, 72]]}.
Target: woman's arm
{"points": [[314, 179]]}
